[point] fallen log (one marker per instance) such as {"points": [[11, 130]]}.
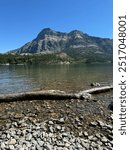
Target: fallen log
{"points": [[52, 94], [38, 95], [97, 90]]}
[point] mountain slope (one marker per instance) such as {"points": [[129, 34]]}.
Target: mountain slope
{"points": [[75, 44]]}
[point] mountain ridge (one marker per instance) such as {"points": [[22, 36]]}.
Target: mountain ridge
{"points": [[51, 46], [52, 41]]}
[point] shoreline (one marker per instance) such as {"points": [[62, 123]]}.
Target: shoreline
{"points": [[82, 124]]}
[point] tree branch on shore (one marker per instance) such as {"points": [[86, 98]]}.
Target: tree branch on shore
{"points": [[53, 94]]}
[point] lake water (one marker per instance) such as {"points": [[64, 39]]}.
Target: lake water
{"points": [[70, 78]]}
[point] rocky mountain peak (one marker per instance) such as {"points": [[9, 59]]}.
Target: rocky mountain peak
{"points": [[75, 41], [76, 32], [46, 31]]}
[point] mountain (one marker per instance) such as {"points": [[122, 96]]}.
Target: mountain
{"points": [[75, 44]]}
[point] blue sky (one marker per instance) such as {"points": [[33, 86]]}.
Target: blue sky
{"points": [[22, 20]]}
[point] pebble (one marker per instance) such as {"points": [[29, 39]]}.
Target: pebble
{"points": [[85, 134], [101, 124], [50, 122], [58, 127], [2, 146], [40, 142], [104, 139], [11, 147], [84, 144], [61, 120], [93, 124], [51, 129], [28, 137], [49, 136], [12, 142]]}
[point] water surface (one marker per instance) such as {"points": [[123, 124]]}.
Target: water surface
{"points": [[70, 78]]}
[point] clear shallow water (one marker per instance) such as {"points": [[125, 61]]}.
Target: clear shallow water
{"points": [[22, 78]]}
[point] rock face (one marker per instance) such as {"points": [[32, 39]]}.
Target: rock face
{"points": [[50, 41]]}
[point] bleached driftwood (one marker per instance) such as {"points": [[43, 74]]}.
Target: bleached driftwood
{"points": [[97, 90], [52, 94]]}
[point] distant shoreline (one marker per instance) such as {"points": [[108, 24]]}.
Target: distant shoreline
{"points": [[17, 59]]}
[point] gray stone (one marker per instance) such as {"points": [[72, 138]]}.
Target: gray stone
{"points": [[90, 137], [8, 136], [11, 147], [78, 145], [18, 132], [80, 134], [64, 134], [84, 144], [62, 129], [61, 120], [109, 127], [91, 148], [43, 134], [38, 147], [33, 147], [67, 145], [78, 140], [59, 143], [34, 134], [13, 133], [101, 123], [79, 124], [50, 123], [99, 142], [94, 124], [51, 129], [48, 146], [2, 146], [77, 119], [58, 127], [28, 144], [104, 139], [3, 136], [34, 142], [40, 143], [94, 139], [98, 135], [50, 135], [43, 126], [46, 135], [15, 124], [85, 134], [8, 125], [100, 147], [29, 137], [23, 124], [93, 144], [38, 127]]}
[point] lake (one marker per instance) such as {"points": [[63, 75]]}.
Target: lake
{"points": [[70, 78]]}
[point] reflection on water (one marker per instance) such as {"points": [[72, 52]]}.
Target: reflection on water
{"points": [[63, 77]]}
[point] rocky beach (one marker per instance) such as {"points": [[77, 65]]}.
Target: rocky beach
{"points": [[57, 124]]}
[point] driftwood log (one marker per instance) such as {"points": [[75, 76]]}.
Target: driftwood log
{"points": [[97, 90], [52, 94]]}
